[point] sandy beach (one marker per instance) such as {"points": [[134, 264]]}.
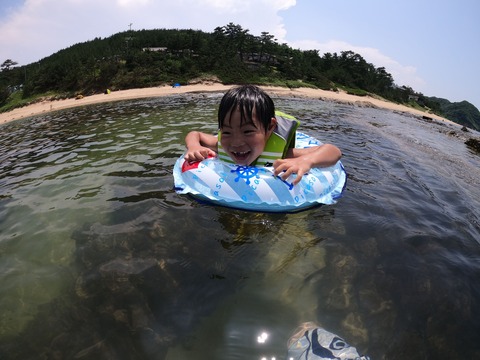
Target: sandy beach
{"points": [[48, 106]]}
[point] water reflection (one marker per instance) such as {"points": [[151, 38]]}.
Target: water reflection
{"points": [[99, 258]]}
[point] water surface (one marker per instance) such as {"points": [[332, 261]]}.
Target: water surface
{"points": [[101, 259]]}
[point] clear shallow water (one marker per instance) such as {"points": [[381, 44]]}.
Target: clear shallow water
{"points": [[100, 259]]}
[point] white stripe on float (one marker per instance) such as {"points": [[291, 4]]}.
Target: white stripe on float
{"points": [[212, 179]]}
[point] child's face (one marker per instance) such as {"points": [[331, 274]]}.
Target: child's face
{"points": [[244, 142]]}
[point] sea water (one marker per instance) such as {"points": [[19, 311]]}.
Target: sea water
{"points": [[101, 259]]}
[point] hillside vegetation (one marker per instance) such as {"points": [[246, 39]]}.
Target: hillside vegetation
{"points": [[146, 58], [463, 112]]}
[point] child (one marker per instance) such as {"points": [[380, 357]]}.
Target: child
{"points": [[249, 132]]}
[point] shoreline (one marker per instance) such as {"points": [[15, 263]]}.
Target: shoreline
{"points": [[131, 94]]}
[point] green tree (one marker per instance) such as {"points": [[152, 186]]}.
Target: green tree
{"points": [[8, 64]]}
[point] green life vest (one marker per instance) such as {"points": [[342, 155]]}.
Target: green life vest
{"points": [[282, 139]]}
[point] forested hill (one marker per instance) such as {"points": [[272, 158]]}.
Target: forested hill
{"points": [[462, 112], [147, 58]]}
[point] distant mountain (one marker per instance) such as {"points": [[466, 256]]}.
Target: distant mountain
{"points": [[462, 113]]}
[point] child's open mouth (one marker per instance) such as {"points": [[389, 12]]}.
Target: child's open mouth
{"points": [[240, 156]]}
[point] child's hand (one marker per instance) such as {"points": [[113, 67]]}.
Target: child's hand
{"points": [[301, 161], [199, 153], [286, 167]]}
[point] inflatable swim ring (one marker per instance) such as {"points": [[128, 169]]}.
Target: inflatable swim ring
{"points": [[256, 188]]}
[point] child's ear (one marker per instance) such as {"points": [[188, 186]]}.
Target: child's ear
{"points": [[271, 127]]}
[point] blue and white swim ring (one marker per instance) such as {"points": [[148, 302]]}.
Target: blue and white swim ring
{"points": [[256, 188]]}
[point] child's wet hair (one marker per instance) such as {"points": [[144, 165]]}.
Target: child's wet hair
{"points": [[246, 98]]}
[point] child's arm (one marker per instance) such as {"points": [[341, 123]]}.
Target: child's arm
{"points": [[200, 146], [301, 161]]}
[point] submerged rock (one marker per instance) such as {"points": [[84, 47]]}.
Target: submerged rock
{"points": [[366, 104], [473, 144]]}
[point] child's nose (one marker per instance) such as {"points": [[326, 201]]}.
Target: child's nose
{"points": [[238, 141]]}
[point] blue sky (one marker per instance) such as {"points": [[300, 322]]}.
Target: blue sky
{"points": [[432, 46]]}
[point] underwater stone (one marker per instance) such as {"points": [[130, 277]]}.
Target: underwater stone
{"points": [[473, 144]]}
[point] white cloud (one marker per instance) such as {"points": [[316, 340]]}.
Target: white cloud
{"points": [[130, 3], [234, 6], [282, 4]]}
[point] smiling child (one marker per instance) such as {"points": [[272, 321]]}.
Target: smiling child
{"points": [[251, 133]]}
